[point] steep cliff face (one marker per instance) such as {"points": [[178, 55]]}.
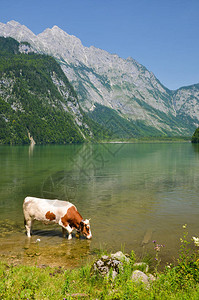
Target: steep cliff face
{"points": [[186, 101], [122, 85]]}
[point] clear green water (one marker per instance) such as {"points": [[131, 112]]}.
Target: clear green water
{"points": [[133, 193]]}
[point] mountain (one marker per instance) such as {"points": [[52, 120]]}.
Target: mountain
{"points": [[37, 102], [107, 85]]}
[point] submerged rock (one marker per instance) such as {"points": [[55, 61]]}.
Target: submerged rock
{"points": [[147, 236]]}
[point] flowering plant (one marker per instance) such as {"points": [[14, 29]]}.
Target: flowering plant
{"points": [[157, 248], [196, 241]]}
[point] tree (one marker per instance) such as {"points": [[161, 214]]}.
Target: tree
{"points": [[195, 137]]}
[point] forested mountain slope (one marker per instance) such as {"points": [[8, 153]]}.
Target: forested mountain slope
{"points": [[37, 100]]}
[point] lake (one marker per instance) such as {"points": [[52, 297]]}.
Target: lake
{"points": [[133, 193]]}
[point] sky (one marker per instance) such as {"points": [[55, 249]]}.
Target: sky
{"points": [[162, 35]]}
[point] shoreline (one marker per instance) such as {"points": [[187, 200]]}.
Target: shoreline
{"points": [[133, 141]]}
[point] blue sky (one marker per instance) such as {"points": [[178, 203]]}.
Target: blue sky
{"points": [[161, 35]]}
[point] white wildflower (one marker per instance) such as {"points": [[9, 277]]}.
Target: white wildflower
{"points": [[196, 241]]}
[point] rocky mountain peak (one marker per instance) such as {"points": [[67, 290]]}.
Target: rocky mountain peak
{"points": [[13, 23], [58, 34], [17, 31]]}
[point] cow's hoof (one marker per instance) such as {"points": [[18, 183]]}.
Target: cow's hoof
{"points": [[70, 237]]}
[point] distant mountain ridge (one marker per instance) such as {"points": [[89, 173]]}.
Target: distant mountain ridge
{"points": [[103, 80]]}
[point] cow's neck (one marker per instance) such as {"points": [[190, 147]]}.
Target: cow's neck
{"points": [[72, 218], [76, 219]]}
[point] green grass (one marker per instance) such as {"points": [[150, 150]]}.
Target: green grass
{"points": [[23, 282], [173, 282]]}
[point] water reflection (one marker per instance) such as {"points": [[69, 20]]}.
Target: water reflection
{"points": [[62, 184], [133, 193], [31, 149]]}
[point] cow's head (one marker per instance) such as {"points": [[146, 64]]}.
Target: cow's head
{"points": [[85, 228]]}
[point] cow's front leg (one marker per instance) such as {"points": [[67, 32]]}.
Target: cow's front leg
{"points": [[68, 228]]}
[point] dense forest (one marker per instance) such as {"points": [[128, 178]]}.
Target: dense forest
{"points": [[120, 127], [36, 98]]}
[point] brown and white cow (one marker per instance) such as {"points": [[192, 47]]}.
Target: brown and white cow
{"points": [[60, 212]]}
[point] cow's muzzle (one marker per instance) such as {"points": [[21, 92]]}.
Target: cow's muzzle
{"points": [[89, 236]]}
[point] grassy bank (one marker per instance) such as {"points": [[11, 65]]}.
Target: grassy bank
{"points": [[42, 282], [22, 282]]}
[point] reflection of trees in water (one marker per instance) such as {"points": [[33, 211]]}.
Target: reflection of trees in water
{"points": [[195, 148], [66, 184], [61, 185], [102, 177]]}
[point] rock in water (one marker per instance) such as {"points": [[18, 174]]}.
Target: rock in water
{"points": [[147, 236]]}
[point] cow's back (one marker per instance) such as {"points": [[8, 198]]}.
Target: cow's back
{"points": [[37, 208]]}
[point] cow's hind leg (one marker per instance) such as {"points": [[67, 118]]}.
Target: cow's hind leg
{"points": [[28, 224]]}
